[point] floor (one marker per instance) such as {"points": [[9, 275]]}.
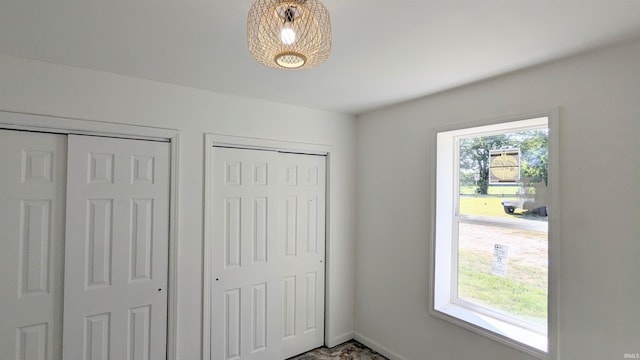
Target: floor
{"points": [[351, 350]]}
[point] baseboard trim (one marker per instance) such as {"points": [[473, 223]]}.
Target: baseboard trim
{"points": [[392, 355], [340, 339]]}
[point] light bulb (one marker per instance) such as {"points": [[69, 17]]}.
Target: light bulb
{"points": [[287, 34]]}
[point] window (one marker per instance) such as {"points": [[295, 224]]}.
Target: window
{"points": [[491, 237]]}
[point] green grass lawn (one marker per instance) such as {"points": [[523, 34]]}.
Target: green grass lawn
{"points": [[487, 204], [484, 205], [522, 293], [492, 190]]}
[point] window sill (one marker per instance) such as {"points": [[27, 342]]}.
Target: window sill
{"points": [[523, 339]]}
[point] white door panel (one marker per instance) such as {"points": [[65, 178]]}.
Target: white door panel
{"points": [[116, 251], [302, 240], [32, 202], [244, 269], [268, 261]]}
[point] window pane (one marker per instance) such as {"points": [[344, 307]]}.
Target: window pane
{"points": [[504, 175], [504, 270]]}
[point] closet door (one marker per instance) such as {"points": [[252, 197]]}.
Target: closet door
{"points": [[246, 322], [301, 239], [268, 240], [116, 249], [32, 201]]}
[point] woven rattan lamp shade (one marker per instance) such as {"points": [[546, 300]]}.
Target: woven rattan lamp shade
{"points": [[305, 41]]}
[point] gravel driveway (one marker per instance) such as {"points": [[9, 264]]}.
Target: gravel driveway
{"points": [[525, 247]]}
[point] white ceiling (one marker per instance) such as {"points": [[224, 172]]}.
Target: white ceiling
{"points": [[383, 51]]}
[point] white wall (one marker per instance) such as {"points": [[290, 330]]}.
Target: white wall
{"points": [[48, 89], [599, 277]]}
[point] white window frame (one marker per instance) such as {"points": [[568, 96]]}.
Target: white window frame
{"points": [[444, 302]]}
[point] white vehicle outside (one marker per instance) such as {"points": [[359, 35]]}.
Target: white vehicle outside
{"points": [[534, 202]]}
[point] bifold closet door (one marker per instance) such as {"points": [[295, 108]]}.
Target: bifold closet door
{"points": [[32, 213], [116, 250], [268, 234]]}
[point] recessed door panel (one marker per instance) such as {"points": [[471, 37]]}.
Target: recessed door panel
{"points": [[232, 232], [99, 242], [100, 168], [291, 225], [139, 333], [260, 174], [259, 317], [232, 333], [311, 298], [31, 342], [35, 223], [312, 224], [289, 307], [260, 230], [96, 337], [141, 239], [37, 166], [142, 169]]}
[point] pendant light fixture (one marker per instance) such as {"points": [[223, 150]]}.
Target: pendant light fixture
{"points": [[289, 34]]}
